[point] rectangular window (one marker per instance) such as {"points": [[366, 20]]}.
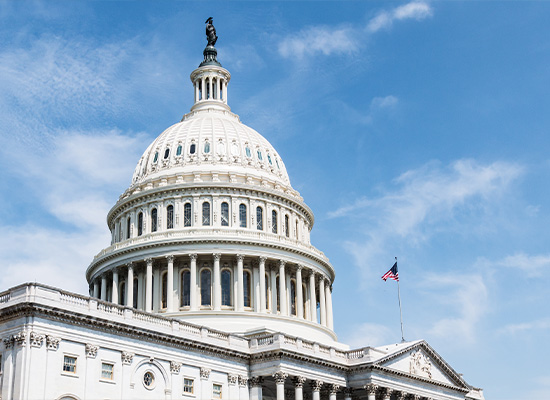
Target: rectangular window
{"points": [[69, 364], [216, 391], [107, 371], [188, 386]]}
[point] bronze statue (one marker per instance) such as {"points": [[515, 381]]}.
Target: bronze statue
{"points": [[211, 32]]}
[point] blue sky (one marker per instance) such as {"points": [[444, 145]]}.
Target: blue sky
{"points": [[412, 129]]}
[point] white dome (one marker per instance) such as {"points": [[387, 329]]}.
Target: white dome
{"points": [[211, 141]]}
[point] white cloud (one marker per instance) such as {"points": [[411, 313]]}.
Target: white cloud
{"points": [[464, 295], [318, 39], [514, 329], [531, 265], [416, 10], [384, 102]]}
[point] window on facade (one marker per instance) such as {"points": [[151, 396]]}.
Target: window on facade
{"points": [[292, 297], [207, 147], [178, 150], [225, 214], [259, 218], [166, 153], [69, 364], [135, 297], [164, 290], [188, 385], [274, 221], [193, 148], [187, 214], [155, 159], [206, 287], [247, 285], [186, 288], [107, 371], [216, 391], [170, 217], [148, 379], [140, 224], [287, 226], [154, 220], [242, 216], [226, 287], [206, 213], [128, 227]]}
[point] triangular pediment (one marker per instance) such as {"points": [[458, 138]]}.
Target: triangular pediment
{"points": [[421, 361]]}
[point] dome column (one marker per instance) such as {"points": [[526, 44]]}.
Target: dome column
{"points": [[114, 291], [104, 287], [299, 293], [170, 284], [193, 282], [240, 283], [210, 92], [313, 300], [96, 289], [273, 274], [262, 284], [130, 286], [217, 286], [322, 301], [328, 298], [149, 285], [282, 288]]}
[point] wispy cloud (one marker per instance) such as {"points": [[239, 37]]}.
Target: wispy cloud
{"points": [[416, 10], [514, 329], [531, 265], [319, 39]]}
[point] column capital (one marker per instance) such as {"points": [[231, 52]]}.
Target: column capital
{"points": [[262, 259], [299, 267], [193, 256], [243, 381], [130, 264], [316, 385], [217, 256], [347, 391], [232, 379], [280, 377], [386, 392], [170, 258], [205, 373], [400, 395], [239, 257], [299, 381], [256, 381], [282, 263], [415, 397], [149, 261], [371, 388], [334, 388]]}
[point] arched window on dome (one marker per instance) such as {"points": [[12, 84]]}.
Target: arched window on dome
{"points": [[206, 147], [154, 220], [164, 290], [260, 155], [170, 217], [259, 218], [140, 224], [287, 226], [155, 159], [225, 214], [192, 148], [242, 216], [135, 297], [178, 150], [292, 297], [247, 286], [267, 293], [269, 159], [166, 153], [274, 221], [226, 287], [187, 214], [206, 213], [186, 288], [206, 287], [128, 227], [247, 151]]}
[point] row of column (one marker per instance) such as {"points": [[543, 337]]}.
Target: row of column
{"points": [[201, 93], [314, 282], [373, 392]]}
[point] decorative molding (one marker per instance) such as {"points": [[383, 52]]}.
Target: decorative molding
{"points": [[20, 338], [317, 385], [91, 350], [8, 343], [232, 379], [256, 381], [205, 373], [299, 381], [52, 342], [243, 382], [36, 339], [371, 388], [127, 357], [280, 377], [175, 367]]}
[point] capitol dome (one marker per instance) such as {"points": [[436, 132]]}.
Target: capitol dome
{"points": [[211, 231]]}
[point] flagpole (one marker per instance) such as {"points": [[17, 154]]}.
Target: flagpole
{"points": [[400, 312]]}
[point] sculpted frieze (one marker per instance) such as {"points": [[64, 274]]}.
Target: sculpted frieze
{"points": [[420, 364]]}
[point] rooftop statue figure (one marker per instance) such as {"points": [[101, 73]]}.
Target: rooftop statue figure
{"points": [[211, 32]]}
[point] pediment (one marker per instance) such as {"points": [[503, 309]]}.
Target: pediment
{"points": [[421, 361]]}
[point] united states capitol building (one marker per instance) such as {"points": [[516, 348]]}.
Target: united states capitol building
{"points": [[210, 288]]}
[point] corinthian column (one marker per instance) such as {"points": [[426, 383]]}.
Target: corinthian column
{"points": [[312, 296], [149, 285], [322, 301], [299, 387], [170, 284], [240, 283], [217, 286], [114, 290], [333, 389], [273, 274], [299, 293], [328, 299], [280, 378], [262, 284], [255, 384], [371, 391], [130, 286], [193, 279], [316, 389], [104, 288], [282, 288]]}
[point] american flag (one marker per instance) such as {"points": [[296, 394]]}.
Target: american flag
{"points": [[392, 273]]}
